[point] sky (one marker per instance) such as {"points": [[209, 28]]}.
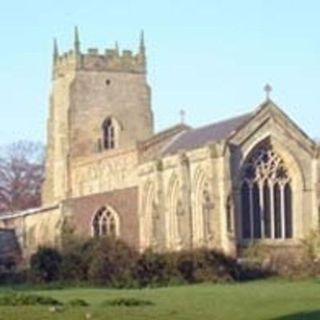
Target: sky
{"points": [[211, 58]]}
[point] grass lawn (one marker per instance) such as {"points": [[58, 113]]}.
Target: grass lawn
{"points": [[261, 300]]}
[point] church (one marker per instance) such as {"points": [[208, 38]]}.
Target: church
{"points": [[253, 177]]}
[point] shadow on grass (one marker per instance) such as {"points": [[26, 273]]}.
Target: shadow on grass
{"points": [[308, 315]]}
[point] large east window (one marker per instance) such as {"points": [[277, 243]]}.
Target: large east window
{"points": [[266, 196]]}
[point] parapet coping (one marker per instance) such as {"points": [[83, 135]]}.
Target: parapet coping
{"points": [[24, 213]]}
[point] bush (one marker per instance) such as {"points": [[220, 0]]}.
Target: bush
{"points": [[76, 259], [201, 265], [290, 262], [128, 302], [78, 303], [111, 263], [152, 269], [214, 266], [19, 299], [13, 277], [45, 265]]}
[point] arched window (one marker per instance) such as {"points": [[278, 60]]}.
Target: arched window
{"points": [[108, 134], [266, 196], [206, 213], [176, 214], [202, 209], [152, 215], [105, 223]]}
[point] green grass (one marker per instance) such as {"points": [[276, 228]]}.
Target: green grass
{"points": [[261, 300]]}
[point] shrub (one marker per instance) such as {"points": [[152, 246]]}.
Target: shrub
{"points": [[19, 299], [128, 302], [152, 269], [111, 263], [78, 303], [289, 262], [190, 266], [214, 266], [311, 246], [184, 263], [45, 265], [76, 259], [13, 277]]}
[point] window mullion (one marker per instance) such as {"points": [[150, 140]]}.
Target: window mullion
{"points": [[271, 187], [261, 205], [108, 226], [100, 225], [251, 211], [283, 216]]}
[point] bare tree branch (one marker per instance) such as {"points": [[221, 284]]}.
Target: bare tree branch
{"points": [[21, 176]]}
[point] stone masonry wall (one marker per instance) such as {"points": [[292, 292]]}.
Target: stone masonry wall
{"points": [[123, 202]]}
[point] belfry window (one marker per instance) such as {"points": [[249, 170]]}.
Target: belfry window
{"points": [[266, 196], [105, 223], [108, 134]]}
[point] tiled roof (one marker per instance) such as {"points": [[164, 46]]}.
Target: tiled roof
{"points": [[196, 138]]}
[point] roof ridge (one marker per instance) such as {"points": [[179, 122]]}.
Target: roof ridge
{"points": [[211, 132], [220, 122], [174, 138], [168, 129]]}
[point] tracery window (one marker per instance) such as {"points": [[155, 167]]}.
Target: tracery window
{"points": [[105, 223], [266, 196], [152, 214], [108, 134], [176, 214], [207, 208]]}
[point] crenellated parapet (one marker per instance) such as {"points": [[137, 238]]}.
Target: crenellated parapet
{"points": [[94, 60]]}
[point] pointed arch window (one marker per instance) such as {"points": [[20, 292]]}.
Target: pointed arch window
{"points": [[176, 214], [105, 223], [108, 128], [206, 212], [152, 214], [266, 196]]}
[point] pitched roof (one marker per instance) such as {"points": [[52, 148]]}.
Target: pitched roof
{"points": [[198, 137]]}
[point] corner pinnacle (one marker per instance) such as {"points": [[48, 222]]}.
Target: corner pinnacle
{"points": [[76, 40], [55, 50], [142, 44]]}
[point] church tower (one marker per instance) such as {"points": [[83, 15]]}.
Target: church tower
{"points": [[99, 102]]}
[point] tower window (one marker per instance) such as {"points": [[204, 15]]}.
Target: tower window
{"points": [[108, 134], [108, 82]]}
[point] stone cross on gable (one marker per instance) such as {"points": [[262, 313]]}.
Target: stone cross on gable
{"points": [[267, 89]]}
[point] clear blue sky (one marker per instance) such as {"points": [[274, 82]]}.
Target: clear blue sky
{"points": [[209, 57]]}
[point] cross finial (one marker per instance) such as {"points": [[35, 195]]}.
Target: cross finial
{"points": [[182, 116], [267, 89]]}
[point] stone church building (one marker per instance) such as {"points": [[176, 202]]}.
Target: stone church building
{"points": [[223, 185]]}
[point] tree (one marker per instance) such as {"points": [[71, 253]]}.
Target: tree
{"points": [[21, 176]]}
